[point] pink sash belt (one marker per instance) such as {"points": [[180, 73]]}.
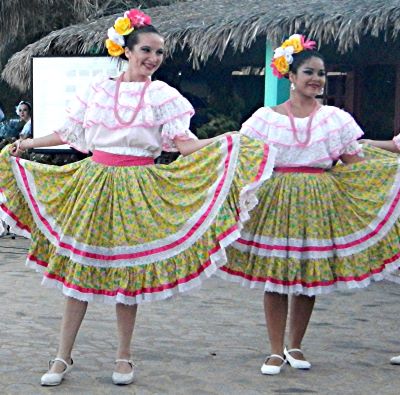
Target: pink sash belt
{"points": [[108, 159], [300, 169]]}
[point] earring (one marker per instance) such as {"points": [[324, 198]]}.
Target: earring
{"points": [[321, 92], [292, 87]]}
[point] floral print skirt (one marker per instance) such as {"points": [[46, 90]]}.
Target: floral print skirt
{"points": [[137, 233], [314, 233]]}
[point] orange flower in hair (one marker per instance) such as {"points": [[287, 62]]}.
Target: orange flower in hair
{"points": [[281, 65], [295, 42], [113, 48]]}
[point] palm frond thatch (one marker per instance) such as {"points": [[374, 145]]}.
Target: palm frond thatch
{"points": [[22, 20], [208, 27]]}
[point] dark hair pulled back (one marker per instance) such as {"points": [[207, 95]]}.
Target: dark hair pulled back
{"points": [[302, 57], [26, 103], [133, 38]]}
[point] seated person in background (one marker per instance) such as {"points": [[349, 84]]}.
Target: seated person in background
{"points": [[10, 130], [24, 111]]}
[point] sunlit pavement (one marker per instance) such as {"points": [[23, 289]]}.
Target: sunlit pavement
{"points": [[212, 341]]}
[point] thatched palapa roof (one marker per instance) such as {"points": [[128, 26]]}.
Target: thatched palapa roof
{"points": [[208, 27], [21, 19]]}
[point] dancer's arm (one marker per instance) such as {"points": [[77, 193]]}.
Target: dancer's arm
{"points": [[187, 147], [387, 145], [46, 141], [348, 159]]}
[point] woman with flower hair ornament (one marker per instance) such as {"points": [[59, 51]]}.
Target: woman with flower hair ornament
{"points": [[318, 227], [384, 149], [115, 227]]}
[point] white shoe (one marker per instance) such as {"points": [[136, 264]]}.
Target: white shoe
{"points": [[271, 369], [395, 360], [123, 378], [293, 362], [56, 378]]}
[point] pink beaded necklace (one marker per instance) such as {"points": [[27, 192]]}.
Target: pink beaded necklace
{"points": [[288, 107], [139, 106]]}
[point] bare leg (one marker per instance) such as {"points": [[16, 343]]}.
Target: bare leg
{"points": [[126, 316], [301, 308], [276, 309], [74, 311]]}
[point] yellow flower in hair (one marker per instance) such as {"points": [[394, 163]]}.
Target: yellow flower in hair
{"points": [[294, 41], [123, 26], [113, 48], [281, 65]]}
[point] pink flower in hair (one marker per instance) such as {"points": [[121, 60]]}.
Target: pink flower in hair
{"points": [[308, 44], [138, 18]]}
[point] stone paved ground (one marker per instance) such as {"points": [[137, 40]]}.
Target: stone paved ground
{"points": [[210, 342]]}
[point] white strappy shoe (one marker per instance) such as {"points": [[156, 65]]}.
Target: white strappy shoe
{"points": [[124, 378], [293, 362], [51, 379], [272, 369], [395, 360]]}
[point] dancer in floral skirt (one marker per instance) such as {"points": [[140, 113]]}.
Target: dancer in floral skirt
{"points": [[391, 147], [115, 227], [318, 227]]}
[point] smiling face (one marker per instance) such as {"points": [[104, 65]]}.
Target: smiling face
{"points": [[310, 77], [146, 56]]}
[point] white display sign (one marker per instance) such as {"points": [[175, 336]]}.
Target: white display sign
{"points": [[55, 81]]}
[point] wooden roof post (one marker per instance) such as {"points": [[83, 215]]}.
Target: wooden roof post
{"points": [[276, 90]]}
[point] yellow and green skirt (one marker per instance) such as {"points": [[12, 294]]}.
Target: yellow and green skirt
{"points": [[312, 233], [129, 234]]}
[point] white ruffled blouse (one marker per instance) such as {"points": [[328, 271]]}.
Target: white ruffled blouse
{"points": [[91, 124], [334, 132]]}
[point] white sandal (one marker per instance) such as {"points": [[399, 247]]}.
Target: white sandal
{"points": [[395, 360], [124, 378], [296, 363], [272, 369], [51, 379]]}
